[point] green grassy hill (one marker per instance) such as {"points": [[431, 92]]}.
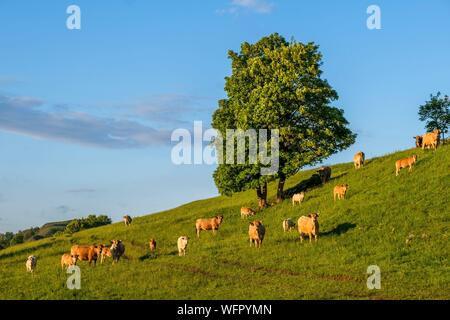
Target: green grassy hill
{"points": [[370, 227]]}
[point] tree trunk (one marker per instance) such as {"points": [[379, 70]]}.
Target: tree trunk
{"points": [[262, 196], [280, 190]]}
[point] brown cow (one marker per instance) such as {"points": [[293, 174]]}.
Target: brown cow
{"points": [[309, 225], [152, 244], [89, 253], [247, 212], [403, 163], [418, 141], [358, 159], [324, 174], [431, 139], [208, 224], [340, 191], [68, 260], [256, 233], [298, 197]]}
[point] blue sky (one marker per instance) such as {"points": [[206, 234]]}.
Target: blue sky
{"points": [[86, 115]]}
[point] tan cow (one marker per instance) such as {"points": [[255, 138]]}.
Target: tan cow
{"points": [[247, 212], [127, 220], [309, 225], [298, 198], [431, 139], [418, 141], [182, 244], [403, 163], [152, 245], [256, 233], [31, 263], [324, 174], [85, 252], [358, 159], [117, 250], [340, 191], [288, 224], [208, 224], [106, 252], [68, 260]]}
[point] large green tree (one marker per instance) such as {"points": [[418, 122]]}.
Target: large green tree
{"points": [[436, 113], [276, 84]]}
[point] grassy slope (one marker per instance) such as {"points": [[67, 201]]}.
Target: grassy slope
{"points": [[370, 227]]}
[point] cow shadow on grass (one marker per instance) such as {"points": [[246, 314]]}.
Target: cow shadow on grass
{"points": [[343, 174], [310, 183], [148, 256], [338, 230]]}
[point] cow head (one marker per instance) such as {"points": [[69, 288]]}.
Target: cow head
{"points": [[314, 216], [219, 218], [414, 157]]}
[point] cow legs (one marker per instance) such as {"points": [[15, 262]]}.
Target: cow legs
{"points": [[301, 237]]}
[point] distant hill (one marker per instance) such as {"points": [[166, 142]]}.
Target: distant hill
{"points": [[400, 224], [51, 228]]}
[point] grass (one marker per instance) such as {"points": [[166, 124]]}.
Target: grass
{"points": [[370, 227]]}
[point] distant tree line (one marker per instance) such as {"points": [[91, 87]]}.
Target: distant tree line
{"points": [[91, 221], [8, 239]]}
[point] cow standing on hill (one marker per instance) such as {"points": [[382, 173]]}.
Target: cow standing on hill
{"points": [[152, 245], [127, 220], [117, 250], [324, 174], [208, 224], [418, 141], [358, 159], [85, 252], [31, 263], [404, 163], [340, 191], [431, 139], [298, 198], [309, 225], [256, 233], [68, 260], [182, 244]]}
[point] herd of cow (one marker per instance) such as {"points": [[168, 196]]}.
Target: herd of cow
{"points": [[307, 225]]}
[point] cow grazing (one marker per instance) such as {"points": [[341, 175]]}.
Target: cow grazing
{"points": [[256, 233], [208, 224], [117, 250], [68, 260], [127, 220], [431, 139], [298, 198], [152, 245], [247, 212], [288, 225], [358, 159], [31, 263], [309, 225], [106, 252], [418, 141], [403, 163], [182, 245], [85, 252], [324, 174], [340, 191]]}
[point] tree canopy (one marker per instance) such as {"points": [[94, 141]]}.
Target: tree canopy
{"points": [[436, 113], [276, 84]]}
